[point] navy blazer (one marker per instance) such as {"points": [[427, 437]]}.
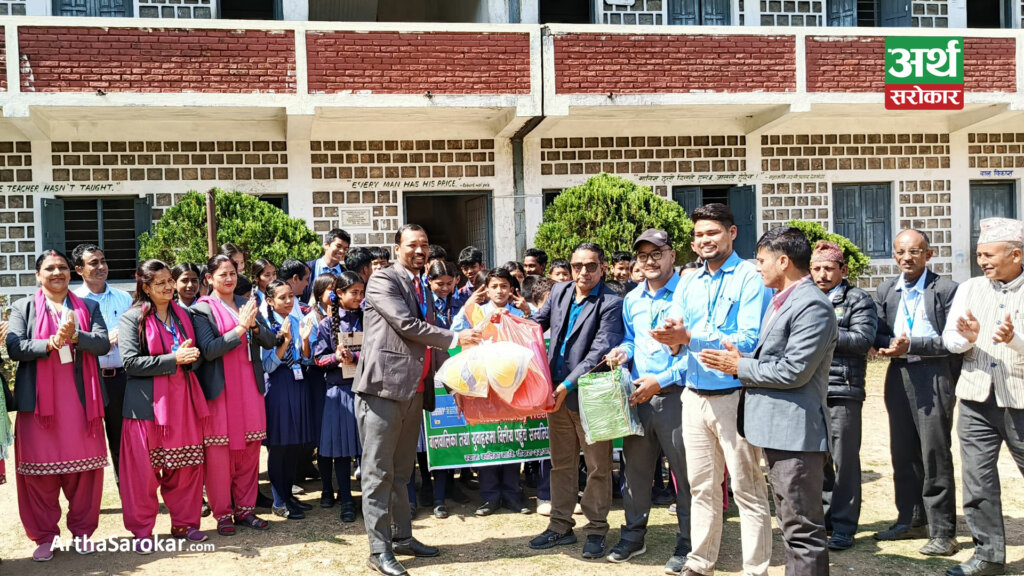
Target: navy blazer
{"points": [[597, 330]]}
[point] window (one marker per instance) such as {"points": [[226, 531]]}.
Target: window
{"points": [[276, 200], [742, 200], [104, 8], [250, 9], [549, 196], [990, 14], [114, 224], [863, 213]]}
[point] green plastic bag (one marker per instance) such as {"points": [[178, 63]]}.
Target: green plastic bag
{"points": [[604, 406]]}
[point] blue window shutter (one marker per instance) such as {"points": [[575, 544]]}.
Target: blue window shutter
{"points": [[743, 204], [715, 13], [684, 12], [862, 213], [143, 219], [689, 197], [53, 224], [845, 212], [842, 12]]}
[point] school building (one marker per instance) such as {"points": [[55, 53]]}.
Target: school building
{"points": [[474, 115]]}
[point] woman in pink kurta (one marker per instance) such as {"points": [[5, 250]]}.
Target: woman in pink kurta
{"points": [[164, 411], [229, 333], [59, 443]]}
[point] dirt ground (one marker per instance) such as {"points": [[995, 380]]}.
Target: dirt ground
{"points": [[498, 544]]}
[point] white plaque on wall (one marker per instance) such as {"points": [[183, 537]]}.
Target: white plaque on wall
{"points": [[356, 217]]}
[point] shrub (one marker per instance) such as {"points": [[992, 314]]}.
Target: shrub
{"points": [[856, 261], [261, 229], [611, 212]]}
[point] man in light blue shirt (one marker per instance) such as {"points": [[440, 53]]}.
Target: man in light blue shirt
{"points": [[723, 302], [658, 376], [91, 265]]}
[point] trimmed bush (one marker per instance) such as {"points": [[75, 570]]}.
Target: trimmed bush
{"points": [[262, 230], [611, 212], [856, 261]]}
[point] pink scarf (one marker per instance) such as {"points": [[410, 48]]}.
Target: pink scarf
{"points": [[160, 342], [46, 368], [236, 366]]}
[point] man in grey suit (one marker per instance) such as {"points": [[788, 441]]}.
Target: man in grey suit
{"points": [[393, 384], [919, 396], [785, 383]]}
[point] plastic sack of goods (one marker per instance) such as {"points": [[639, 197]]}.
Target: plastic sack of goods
{"points": [[604, 406], [505, 378]]}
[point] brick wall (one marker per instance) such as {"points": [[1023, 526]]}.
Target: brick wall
{"points": [[818, 152], [658, 64], [792, 13], [997, 150], [17, 244], [930, 13], [64, 59], [176, 9], [856, 64], [784, 201], [402, 159], [383, 204], [413, 63], [925, 205], [643, 155], [159, 161], [3, 60], [15, 162]]}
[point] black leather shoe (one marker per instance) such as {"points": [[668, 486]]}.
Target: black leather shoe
{"points": [[327, 500], [440, 511], [594, 547], [348, 512], [517, 507], [413, 547], [840, 541], [387, 564], [487, 508], [299, 504], [977, 567], [941, 547], [903, 532], [294, 513]]}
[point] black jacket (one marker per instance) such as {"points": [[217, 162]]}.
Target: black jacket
{"points": [[858, 323], [141, 365]]}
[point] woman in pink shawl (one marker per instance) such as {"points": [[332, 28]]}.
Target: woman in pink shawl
{"points": [[230, 332], [59, 444], [164, 411]]}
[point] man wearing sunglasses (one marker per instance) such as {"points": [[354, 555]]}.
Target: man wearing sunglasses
{"points": [[585, 320], [919, 396], [657, 375]]}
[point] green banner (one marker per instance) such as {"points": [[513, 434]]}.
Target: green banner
{"points": [[924, 60], [452, 443]]}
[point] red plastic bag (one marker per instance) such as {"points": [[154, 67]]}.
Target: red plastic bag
{"points": [[533, 397]]}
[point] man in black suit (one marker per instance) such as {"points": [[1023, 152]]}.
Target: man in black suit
{"points": [[919, 396], [585, 319]]}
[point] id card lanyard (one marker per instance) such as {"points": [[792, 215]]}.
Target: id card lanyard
{"points": [[713, 299]]}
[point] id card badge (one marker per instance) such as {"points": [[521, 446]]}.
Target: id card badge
{"points": [[65, 355], [297, 372], [248, 349]]}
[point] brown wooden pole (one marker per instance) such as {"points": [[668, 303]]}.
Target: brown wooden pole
{"points": [[211, 222]]}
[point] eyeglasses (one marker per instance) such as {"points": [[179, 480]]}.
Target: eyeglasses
{"points": [[643, 257], [590, 266], [913, 252]]}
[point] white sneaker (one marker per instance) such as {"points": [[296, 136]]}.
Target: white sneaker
{"points": [[544, 507], [297, 490]]}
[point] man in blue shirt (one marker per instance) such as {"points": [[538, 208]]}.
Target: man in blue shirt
{"points": [[658, 376], [722, 302], [91, 265], [585, 320], [336, 245]]}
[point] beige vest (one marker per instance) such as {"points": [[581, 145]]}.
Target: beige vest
{"points": [[988, 364]]}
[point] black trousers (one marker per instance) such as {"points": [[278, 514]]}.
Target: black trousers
{"points": [[983, 427], [919, 397], [282, 463], [113, 414], [841, 494], [796, 478]]}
